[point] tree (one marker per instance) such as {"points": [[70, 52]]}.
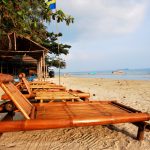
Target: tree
{"points": [[28, 18], [55, 50]]}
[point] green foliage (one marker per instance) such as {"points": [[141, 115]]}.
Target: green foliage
{"points": [[27, 17], [55, 61], [55, 48], [60, 17]]}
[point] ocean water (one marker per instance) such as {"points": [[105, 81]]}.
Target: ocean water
{"points": [[136, 74]]}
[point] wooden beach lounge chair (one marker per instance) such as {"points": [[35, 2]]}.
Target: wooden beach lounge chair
{"points": [[42, 86], [67, 114], [55, 94], [31, 91], [70, 95], [34, 86]]}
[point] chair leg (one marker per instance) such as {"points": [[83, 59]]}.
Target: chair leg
{"points": [[140, 134]]}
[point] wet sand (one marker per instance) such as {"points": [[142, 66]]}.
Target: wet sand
{"points": [[111, 137]]}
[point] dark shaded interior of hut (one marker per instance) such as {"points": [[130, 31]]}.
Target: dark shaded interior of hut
{"points": [[16, 64]]}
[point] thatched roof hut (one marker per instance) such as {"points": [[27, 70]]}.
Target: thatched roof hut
{"points": [[17, 51]]}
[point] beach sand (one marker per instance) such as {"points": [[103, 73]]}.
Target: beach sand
{"points": [[110, 137]]}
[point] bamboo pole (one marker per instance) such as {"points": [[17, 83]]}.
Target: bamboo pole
{"points": [[38, 66], [41, 72], [38, 69], [15, 41], [43, 65], [10, 43], [46, 70]]}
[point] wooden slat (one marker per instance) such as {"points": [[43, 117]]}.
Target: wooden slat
{"points": [[46, 87], [79, 93], [41, 83], [63, 93], [56, 96], [27, 85]]}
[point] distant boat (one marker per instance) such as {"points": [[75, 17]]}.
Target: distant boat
{"points": [[92, 73], [118, 72]]}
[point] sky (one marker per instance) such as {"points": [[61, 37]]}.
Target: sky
{"points": [[106, 34]]}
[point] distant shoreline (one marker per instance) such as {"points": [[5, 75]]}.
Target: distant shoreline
{"points": [[137, 74]]}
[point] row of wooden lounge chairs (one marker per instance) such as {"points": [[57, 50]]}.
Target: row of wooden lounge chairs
{"points": [[38, 116], [53, 92], [49, 92]]}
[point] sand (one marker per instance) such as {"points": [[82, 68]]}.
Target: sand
{"points": [[110, 137]]}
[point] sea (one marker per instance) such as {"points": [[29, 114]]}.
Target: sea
{"points": [[128, 74]]}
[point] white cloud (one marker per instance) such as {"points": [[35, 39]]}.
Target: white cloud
{"points": [[99, 27], [105, 16]]}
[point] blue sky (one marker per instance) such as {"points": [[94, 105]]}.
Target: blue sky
{"points": [[107, 34]]}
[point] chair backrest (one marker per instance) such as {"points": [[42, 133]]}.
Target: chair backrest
{"points": [[18, 99], [45, 86], [27, 85]]}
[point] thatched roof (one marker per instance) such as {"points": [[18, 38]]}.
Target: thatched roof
{"points": [[11, 46]]}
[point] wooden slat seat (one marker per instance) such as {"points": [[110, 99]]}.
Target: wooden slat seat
{"points": [[47, 86], [87, 113], [44, 86], [79, 93], [54, 96], [41, 83]]}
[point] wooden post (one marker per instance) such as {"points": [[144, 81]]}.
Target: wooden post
{"points": [[38, 67], [43, 65], [140, 134], [46, 70], [1, 134], [41, 72], [15, 41]]}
